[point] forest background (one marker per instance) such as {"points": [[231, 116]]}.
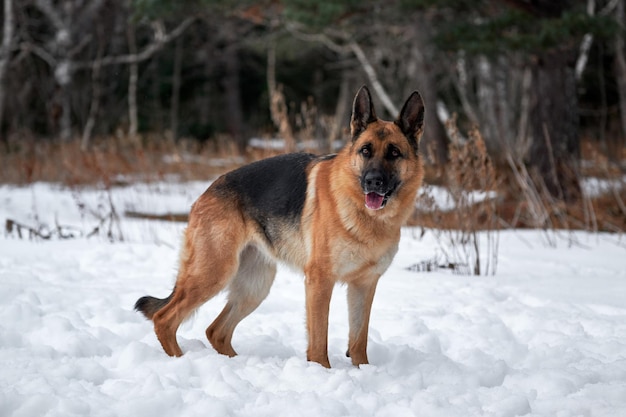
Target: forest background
{"points": [[526, 98]]}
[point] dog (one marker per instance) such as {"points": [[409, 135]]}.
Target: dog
{"points": [[337, 218]]}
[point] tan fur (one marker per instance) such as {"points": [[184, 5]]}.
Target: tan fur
{"points": [[338, 240]]}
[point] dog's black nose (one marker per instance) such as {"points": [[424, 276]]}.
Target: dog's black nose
{"points": [[373, 181]]}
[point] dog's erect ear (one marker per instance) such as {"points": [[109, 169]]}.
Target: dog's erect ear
{"points": [[411, 119], [362, 112]]}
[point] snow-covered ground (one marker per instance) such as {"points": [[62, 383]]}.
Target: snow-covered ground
{"points": [[546, 336]]}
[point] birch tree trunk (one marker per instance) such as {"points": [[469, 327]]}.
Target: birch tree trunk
{"points": [[61, 61], [494, 102], [5, 53], [95, 94]]}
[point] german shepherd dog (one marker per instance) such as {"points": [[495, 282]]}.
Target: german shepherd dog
{"points": [[335, 217]]}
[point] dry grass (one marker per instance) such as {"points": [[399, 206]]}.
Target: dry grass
{"points": [[521, 203], [115, 160]]}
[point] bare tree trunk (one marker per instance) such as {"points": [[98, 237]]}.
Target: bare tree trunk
{"points": [[555, 150], [620, 65], [278, 107], [95, 94], [66, 112], [61, 62], [503, 71], [342, 109], [463, 87], [157, 113], [175, 100], [487, 104], [435, 141], [232, 89], [5, 53], [494, 101], [271, 70], [522, 142], [585, 45], [205, 101], [133, 120]]}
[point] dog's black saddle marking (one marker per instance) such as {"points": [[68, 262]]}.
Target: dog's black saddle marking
{"points": [[272, 190]]}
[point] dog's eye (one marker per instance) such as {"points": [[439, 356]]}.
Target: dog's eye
{"points": [[366, 151], [393, 153]]}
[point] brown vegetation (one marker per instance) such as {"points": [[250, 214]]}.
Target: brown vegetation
{"points": [[115, 161], [522, 203]]}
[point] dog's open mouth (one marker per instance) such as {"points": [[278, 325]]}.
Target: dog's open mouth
{"points": [[375, 201]]}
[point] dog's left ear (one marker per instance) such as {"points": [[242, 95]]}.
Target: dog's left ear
{"points": [[411, 119], [362, 112]]}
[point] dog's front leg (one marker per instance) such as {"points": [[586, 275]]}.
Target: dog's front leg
{"points": [[360, 297], [319, 289]]}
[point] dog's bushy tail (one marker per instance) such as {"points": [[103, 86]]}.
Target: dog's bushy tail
{"points": [[149, 305]]}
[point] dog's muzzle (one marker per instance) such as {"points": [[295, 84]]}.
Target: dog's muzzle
{"points": [[377, 189]]}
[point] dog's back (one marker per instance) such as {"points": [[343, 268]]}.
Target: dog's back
{"points": [[269, 191]]}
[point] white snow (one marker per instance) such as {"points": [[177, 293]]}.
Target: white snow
{"points": [[594, 187], [434, 197], [545, 337]]}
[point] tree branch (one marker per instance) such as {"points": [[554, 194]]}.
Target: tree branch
{"points": [[40, 52], [356, 49], [46, 7], [161, 39], [316, 37], [371, 74]]}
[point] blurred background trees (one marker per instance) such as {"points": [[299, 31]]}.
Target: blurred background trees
{"points": [[536, 76]]}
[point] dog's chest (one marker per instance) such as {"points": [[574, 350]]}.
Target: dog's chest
{"points": [[351, 262]]}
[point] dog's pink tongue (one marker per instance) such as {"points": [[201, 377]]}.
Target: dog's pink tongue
{"points": [[374, 201]]}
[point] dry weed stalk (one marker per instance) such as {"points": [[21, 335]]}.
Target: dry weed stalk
{"points": [[105, 213], [300, 129], [280, 117], [470, 170], [543, 209], [306, 122]]}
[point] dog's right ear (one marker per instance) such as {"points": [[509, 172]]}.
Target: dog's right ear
{"points": [[362, 112], [411, 119]]}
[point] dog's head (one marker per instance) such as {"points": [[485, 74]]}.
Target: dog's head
{"points": [[385, 155]]}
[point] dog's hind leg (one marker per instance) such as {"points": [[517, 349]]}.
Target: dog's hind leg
{"points": [[209, 260], [247, 290]]}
